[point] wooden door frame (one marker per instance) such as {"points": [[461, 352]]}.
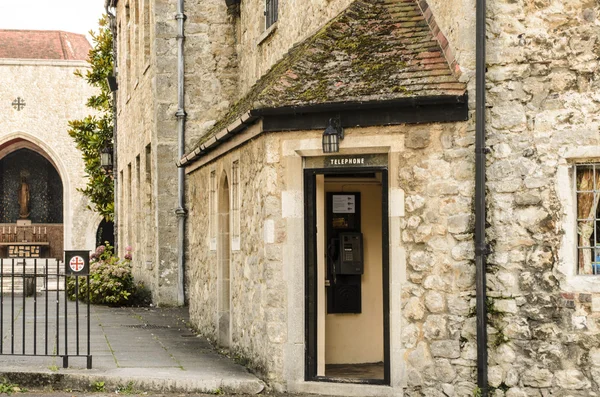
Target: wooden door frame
{"points": [[310, 267]]}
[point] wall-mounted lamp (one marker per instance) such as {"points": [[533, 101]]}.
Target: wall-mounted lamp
{"points": [[112, 83], [106, 159], [332, 136]]}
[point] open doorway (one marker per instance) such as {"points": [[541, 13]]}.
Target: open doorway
{"points": [[347, 272]]}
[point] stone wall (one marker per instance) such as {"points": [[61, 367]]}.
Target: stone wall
{"points": [[53, 95], [211, 65], [542, 107], [297, 20], [436, 173], [147, 143], [436, 331], [257, 287], [543, 104], [456, 21], [227, 51]]}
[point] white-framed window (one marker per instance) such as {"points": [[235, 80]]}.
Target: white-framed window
{"points": [[271, 12], [587, 197], [212, 209], [235, 205]]}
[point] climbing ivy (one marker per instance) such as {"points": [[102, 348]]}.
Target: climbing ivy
{"points": [[94, 132]]}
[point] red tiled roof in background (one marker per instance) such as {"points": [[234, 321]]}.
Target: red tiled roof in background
{"points": [[43, 44]]}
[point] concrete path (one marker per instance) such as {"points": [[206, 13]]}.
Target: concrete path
{"points": [[149, 349]]}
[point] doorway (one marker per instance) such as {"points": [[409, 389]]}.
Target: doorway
{"points": [[347, 288]]}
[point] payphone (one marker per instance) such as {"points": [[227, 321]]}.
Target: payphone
{"points": [[345, 259], [351, 258]]}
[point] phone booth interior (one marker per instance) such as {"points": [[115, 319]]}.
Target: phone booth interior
{"points": [[350, 300]]}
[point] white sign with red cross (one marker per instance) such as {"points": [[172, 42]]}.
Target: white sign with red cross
{"points": [[77, 263]]}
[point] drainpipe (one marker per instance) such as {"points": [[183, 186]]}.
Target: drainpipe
{"points": [[181, 116], [113, 27], [481, 248]]}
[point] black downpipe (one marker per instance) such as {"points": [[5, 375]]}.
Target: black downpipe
{"points": [[481, 248]]}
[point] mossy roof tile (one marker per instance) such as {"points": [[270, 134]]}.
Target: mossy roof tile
{"points": [[374, 50]]}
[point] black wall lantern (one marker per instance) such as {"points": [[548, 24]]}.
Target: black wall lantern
{"points": [[106, 159], [332, 136], [112, 83]]}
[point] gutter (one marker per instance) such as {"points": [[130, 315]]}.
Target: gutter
{"points": [[181, 117], [308, 111], [481, 248], [363, 105]]}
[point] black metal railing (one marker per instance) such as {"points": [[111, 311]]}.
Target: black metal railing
{"points": [[271, 11], [33, 301]]}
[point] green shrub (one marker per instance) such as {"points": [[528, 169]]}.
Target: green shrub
{"points": [[111, 281]]}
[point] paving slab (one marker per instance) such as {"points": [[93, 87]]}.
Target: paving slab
{"points": [[152, 349]]}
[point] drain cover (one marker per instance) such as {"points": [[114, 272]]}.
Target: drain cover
{"points": [[147, 326]]}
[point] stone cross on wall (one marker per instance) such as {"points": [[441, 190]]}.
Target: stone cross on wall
{"points": [[18, 103]]}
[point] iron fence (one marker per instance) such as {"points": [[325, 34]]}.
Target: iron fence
{"points": [[36, 316]]}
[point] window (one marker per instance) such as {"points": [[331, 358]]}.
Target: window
{"points": [[128, 46], [235, 205], [137, 215], [148, 218], [212, 208], [129, 205], [146, 33], [271, 11], [587, 189]]}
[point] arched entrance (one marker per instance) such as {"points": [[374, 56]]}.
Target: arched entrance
{"points": [[223, 255], [105, 233], [31, 202]]}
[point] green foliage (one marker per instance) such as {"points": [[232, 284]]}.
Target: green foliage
{"points": [[99, 386], [127, 389], [95, 132], [8, 388], [111, 281], [477, 392], [500, 339]]}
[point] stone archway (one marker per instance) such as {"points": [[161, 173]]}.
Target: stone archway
{"points": [[223, 257], [38, 231]]}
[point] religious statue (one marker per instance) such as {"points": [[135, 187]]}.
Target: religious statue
{"points": [[24, 199]]}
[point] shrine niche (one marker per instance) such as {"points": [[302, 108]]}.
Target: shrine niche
{"points": [[43, 184], [31, 206]]}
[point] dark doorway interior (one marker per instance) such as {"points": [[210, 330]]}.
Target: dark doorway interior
{"points": [[105, 233]]}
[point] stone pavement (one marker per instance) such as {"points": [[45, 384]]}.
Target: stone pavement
{"points": [[149, 349]]}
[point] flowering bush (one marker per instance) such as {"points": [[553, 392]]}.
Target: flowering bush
{"points": [[111, 281]]}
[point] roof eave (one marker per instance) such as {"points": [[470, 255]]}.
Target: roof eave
{"points": [[411, 110]]}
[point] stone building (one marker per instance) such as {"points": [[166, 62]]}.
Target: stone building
{"points": [[40, 94], [345, 264]]}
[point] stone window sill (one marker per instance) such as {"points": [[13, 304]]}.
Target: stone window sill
{"points": [[267, 33], [588, 283]]}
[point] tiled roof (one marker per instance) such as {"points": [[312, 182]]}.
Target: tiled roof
{"points": [[43, 44], [376, 50]]}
